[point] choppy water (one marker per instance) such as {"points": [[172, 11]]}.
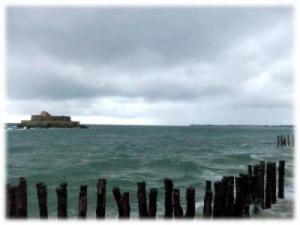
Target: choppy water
{"points": [[127, 154]]}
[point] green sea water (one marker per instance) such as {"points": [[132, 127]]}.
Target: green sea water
{"points": [[124, 155]]}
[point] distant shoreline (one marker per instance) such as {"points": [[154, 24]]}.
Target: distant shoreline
{"points": [[190, 125]]}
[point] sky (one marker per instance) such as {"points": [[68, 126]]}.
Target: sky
{"points": [[151, 65]]}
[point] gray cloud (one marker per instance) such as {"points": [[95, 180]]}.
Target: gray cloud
{"points": [[154, 63]]}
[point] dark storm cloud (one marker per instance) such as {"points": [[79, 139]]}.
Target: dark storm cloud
{"points": [[201, 59]]}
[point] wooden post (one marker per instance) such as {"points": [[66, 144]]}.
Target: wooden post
{"points": [[281, 173], [82, 202], [62, 199], [101, 198], [168, 185], [238, 200], [274, 195], [218, 197], [244, 195], [178, 212], [284, 140], [288, 140], [268, 193], [278, 141], [142, 199], [125, 205], [190, 202], [11, 201], [118, 196], [42, 199], [207, 208], [21, 198], [262, 182], [229, 201], [152, 202]]}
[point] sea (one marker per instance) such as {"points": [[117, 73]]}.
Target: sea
{"points": [[125, 155]]}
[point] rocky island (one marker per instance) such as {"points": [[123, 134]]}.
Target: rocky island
{"points": [[45, 120]]}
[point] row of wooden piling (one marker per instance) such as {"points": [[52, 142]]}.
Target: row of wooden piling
{"points": [[285, 140], [230, 197]]}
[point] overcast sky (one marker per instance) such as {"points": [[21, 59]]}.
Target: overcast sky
{"points": [[177, 66]]}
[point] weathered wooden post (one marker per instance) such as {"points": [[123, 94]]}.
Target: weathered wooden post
{"points": [[278, 141], [288, 140], [62, 199], [208, 199], [11, 201], [142, 199], [178, 212], [168, 185], [268, 193], [152, 202], [229, 197], [218, 197], [21, 198], [101, 198], [118, 196], [245, 195], [82, 202], [281, 173], [284, 140], [274, 194], [125, 205], [190, 202], [42, 199], [238, 200]]}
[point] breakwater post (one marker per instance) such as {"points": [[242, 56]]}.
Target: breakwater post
{"points": [[62, 200], [152, 203], [168, 198], [190, 202], [281, 170], [42, 199], [101, 198], [82, 202], [178, 211], [208, 197], [142, 199], [285, 140]]}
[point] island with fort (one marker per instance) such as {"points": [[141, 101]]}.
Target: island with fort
{"points": [[45, 120]]}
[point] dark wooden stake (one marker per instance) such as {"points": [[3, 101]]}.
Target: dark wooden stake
{"points": [[218, 197], [21, 198], [190, 202], [11, 201], [178, 211], [125, 205], [274, 194], [82, 202], [118, 196], [268, 193], [229, 206], [168, 185], [42, 199], [207, 208], [101, 198], [152, 202], [281, 173], [142, 199], [62, 199]]}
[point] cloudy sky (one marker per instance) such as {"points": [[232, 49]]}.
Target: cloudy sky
{"points": [[177, 66]]}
